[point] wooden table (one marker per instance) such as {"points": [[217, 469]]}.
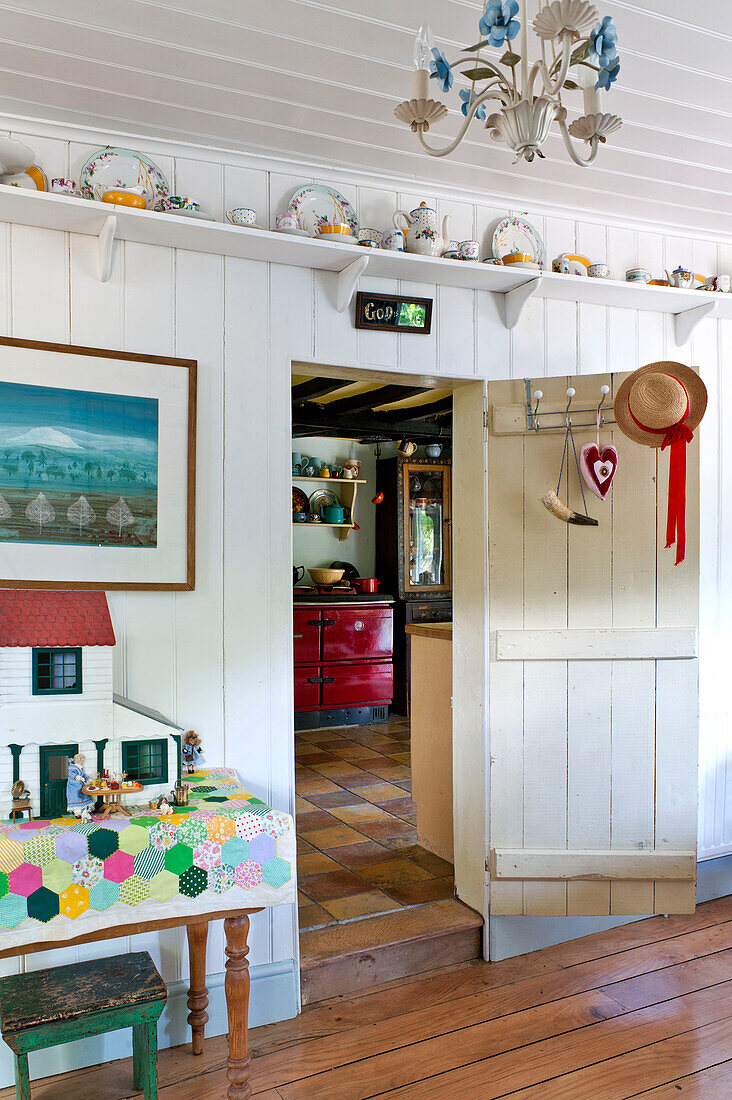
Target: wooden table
{"points": [[112, 798], [236, 926]]}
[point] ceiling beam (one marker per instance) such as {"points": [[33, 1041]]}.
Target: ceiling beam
{"points": [[369, 400], [315, 388], [312, 420]]}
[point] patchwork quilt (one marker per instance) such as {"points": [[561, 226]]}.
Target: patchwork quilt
{"points": [[227, 850]]}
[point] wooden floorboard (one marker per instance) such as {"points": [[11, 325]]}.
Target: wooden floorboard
{"points": [[642, 1010]]}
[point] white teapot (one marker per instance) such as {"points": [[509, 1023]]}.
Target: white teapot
{"points": [[423, 230]]}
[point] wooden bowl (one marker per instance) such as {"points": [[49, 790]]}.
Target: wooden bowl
{"points": [[326, 576]]}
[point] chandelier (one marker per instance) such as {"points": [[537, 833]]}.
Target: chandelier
{"points": [[577, 51]]}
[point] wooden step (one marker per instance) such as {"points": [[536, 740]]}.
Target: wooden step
{"points": [[360, 954]]}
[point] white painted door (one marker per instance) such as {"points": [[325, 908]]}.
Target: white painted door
{"points": [[593, 704]]}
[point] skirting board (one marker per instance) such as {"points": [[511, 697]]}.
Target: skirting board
{"points": [[274, 996], [595, 645], [603, 865]]}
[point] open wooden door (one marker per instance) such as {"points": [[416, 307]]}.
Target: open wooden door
{"points": [[593, 676]]}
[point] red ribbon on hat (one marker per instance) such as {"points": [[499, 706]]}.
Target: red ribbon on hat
{"points": [[676, 437]]}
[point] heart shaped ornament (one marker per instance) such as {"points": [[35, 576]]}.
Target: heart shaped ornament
{"points": [[598, 468]]}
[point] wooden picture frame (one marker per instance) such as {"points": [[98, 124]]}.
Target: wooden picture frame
{"points": [[370, 306], [159, 467]]}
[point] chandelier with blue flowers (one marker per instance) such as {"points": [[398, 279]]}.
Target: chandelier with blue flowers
{"points": [[577, 51]]}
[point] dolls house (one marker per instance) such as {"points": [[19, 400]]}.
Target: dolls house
{"points": [[57, 699]]}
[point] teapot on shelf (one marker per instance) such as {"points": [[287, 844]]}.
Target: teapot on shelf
{"points": [[682, 278], [423, 230]]}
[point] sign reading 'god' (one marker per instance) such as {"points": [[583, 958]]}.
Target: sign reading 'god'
{"points": [[393, 313]]}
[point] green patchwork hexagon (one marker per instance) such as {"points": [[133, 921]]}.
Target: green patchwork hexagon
{"points": [[144, 821], [133, 839], [234, 852], [3, 884], [57, 876], [40, 851], [276, 872], [134, 890], [179, 858], [163, 886], [193, 882], [43, 904], [149, 862], [193, 832], [103, 894], [13, 910], [103, 843]]}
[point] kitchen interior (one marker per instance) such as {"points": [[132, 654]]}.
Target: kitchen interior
{"points": [[372, 643]]}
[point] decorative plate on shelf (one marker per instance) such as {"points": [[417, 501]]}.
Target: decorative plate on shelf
{"points": [[518, 235], [199, 215], [299, 500], [14, 156], [112, 168], [320, 499], [293, 232], [317, 204]]}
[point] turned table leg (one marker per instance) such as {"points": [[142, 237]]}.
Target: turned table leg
{"points": [[197, 993], [237, 1003]]}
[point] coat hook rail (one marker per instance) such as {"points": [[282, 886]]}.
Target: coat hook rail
{"points": [[538, 420]]}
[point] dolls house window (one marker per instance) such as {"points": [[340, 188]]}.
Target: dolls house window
{"points": [[146, 761], [57, 671]]}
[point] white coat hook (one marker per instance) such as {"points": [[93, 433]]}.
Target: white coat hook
{"points": [[604, 390], [570, 394], [538, 394]]}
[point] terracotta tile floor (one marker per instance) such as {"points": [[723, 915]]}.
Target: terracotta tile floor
{"points": [[356, 826]]}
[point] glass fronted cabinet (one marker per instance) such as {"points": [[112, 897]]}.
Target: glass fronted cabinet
{"points": [[425, 529]]}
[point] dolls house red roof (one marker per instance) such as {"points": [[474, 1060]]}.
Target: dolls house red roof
{"points": [[45, 618]]}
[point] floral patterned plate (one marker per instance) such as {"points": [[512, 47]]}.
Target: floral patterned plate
{"points": [[119, 168], [299, 500], [518, 235], [317, 204]]}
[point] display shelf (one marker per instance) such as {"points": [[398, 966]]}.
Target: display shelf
{"points": [[341, 526], [515, 285], [333, 480]]}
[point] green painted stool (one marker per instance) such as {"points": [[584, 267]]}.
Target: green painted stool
{"points": [[48, 1007]]}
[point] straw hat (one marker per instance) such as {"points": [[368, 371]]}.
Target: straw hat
{"points": [[655, 398]]}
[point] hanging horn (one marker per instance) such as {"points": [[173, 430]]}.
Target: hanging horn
{"points": [[553, 504]]}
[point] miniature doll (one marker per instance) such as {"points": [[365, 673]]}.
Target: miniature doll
{"points": [[76, 800], [164, 806], [192, 752]]}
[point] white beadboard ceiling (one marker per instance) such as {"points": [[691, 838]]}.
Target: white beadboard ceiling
{"points": [[318, 81]]}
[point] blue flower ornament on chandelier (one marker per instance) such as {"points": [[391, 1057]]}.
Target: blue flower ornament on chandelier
{"points": [[576, 52]]}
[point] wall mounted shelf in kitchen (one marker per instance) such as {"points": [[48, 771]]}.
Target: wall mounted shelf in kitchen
{"points": [[347, 499], [349, 262]]}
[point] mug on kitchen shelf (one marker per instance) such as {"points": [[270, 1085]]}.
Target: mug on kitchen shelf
{"points": [[598, 271], [469, 250], [394, 242], [241, 215], [286, 219], [63, 187]]}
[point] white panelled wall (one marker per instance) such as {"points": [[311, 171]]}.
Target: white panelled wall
{"points": [[217, 659]]}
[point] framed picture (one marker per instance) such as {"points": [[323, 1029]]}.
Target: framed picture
{"points": [[393, 313], [97, 468]]}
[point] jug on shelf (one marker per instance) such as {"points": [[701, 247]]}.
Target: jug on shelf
{"points": [[423, 230]]}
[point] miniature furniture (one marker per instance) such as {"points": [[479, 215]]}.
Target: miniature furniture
{"points": [[224, 856], [414, 550], [20, 807], [112, 798], [47, 1007], [343, 661]]}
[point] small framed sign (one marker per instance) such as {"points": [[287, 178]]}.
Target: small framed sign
{"points": [[393, 313]]}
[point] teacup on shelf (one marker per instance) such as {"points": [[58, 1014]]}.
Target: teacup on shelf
{"points": [[63, 186], [334, 229], [372, 238], [598, 271], [286, 219], [469, 250], [241, 215], [637, 275], [517, 258]]}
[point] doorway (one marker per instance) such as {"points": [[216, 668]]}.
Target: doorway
{"points": [[360, 857], [54, 771]]}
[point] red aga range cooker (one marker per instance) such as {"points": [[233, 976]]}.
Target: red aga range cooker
{"points": [[343, 661]]}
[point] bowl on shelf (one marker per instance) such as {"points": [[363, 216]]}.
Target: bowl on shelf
{"points": [[326, 576]]}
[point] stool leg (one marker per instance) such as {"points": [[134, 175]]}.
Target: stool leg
{"points": [[151, 1077], [138, 1054], [22, 1079]]}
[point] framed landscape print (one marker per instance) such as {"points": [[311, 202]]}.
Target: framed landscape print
{"points": [[97, 468]]}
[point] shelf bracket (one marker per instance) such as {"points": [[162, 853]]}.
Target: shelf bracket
{"points": [[515, 300], [347, 281], [686, 322], [106, 244]]}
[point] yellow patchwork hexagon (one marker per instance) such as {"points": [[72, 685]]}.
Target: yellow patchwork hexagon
{"points": [[221, 829], [73, 901], [57, 875], [11, 855], [133, 840]]}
